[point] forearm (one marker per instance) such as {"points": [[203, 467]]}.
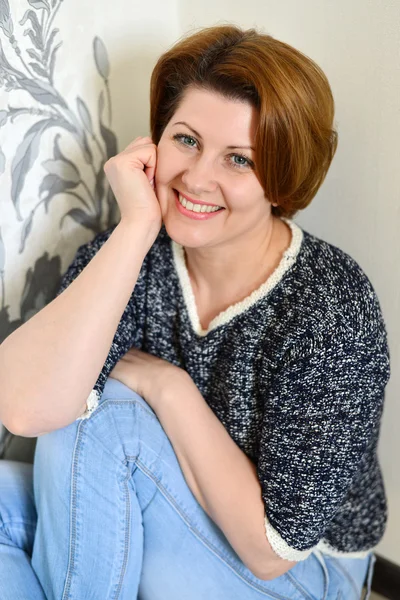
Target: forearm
{"points": [[49, 365], [222, 478]]}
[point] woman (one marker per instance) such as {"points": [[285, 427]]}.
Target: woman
{"points": [[228, 445]]}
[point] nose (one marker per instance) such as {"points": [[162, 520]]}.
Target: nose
{"points": [[199, 176]]}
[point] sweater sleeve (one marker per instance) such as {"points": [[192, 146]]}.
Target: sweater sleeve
{"points": [[130, 328], [322, 413]]}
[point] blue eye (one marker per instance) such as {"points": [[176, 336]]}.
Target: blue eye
{"points": [[240, 157], [181, 138], [246, 164], [190, 142]]}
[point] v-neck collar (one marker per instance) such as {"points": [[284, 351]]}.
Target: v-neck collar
{"points": [[288, 258]]}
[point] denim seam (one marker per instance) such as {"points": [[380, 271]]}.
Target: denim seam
{"points": [[72, 536], [101, 407], [299, 587], [73, 510], [98, 440], [347, 575], [114, 422], [123, 401], [321, 559], [204, 540], [368, 578], [127, 535], [17, 524]]}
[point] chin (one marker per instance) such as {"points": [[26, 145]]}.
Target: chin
{"points": [[189, 236]]}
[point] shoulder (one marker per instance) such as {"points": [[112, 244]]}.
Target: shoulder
{"points": [[333, 291]]}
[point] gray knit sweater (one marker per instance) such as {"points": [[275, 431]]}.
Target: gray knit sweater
{"points": [[296, 372]]}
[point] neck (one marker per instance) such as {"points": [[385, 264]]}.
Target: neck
{"points": [[222, 271]]}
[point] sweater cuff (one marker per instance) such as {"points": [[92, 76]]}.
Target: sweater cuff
{"points": [[91, 404], [281, 548]]}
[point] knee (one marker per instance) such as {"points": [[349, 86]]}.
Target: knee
{"points": [[113, 390], [116, 390]]}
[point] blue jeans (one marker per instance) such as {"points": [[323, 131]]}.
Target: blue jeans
{"points": [[105, 513]]}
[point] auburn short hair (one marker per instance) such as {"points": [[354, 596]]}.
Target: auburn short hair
{"points": [[295, 139]]}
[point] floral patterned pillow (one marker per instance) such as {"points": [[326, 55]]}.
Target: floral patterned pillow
{"points": [[36, 115]]}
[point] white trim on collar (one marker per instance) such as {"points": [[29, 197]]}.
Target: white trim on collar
{"points": [[288, 258]]}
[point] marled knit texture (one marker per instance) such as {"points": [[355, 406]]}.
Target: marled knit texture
{"points": [[297, 379]]}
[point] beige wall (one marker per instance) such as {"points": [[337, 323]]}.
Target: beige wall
{"points": [[358, 206]]}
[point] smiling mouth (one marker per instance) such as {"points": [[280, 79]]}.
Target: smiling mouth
{"points": [[197, 207]]}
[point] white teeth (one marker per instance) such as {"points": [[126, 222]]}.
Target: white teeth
{"points": [[197, 207]]}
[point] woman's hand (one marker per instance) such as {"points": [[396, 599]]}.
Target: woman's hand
{"points": [[131, 175], [147, 375]]}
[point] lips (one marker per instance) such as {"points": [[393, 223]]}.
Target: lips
{"points": [[189, 199], [196, 216]]}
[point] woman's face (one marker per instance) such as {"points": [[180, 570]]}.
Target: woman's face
{"points": [[205, 154]]}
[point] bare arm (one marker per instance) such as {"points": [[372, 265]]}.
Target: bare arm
{"points": [[49, 365]]}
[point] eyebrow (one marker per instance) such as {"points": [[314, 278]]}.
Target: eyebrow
{"points": [[199, 136]]}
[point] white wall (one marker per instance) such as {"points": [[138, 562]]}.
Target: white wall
{"points": [[358, 206]]}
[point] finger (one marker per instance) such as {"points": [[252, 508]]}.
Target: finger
{"points": [[131, 144], [150, 162], [138, 141], [150, 168]]}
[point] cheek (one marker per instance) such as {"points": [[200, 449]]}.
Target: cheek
{"points": [[241, 193], [246, 199]]}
